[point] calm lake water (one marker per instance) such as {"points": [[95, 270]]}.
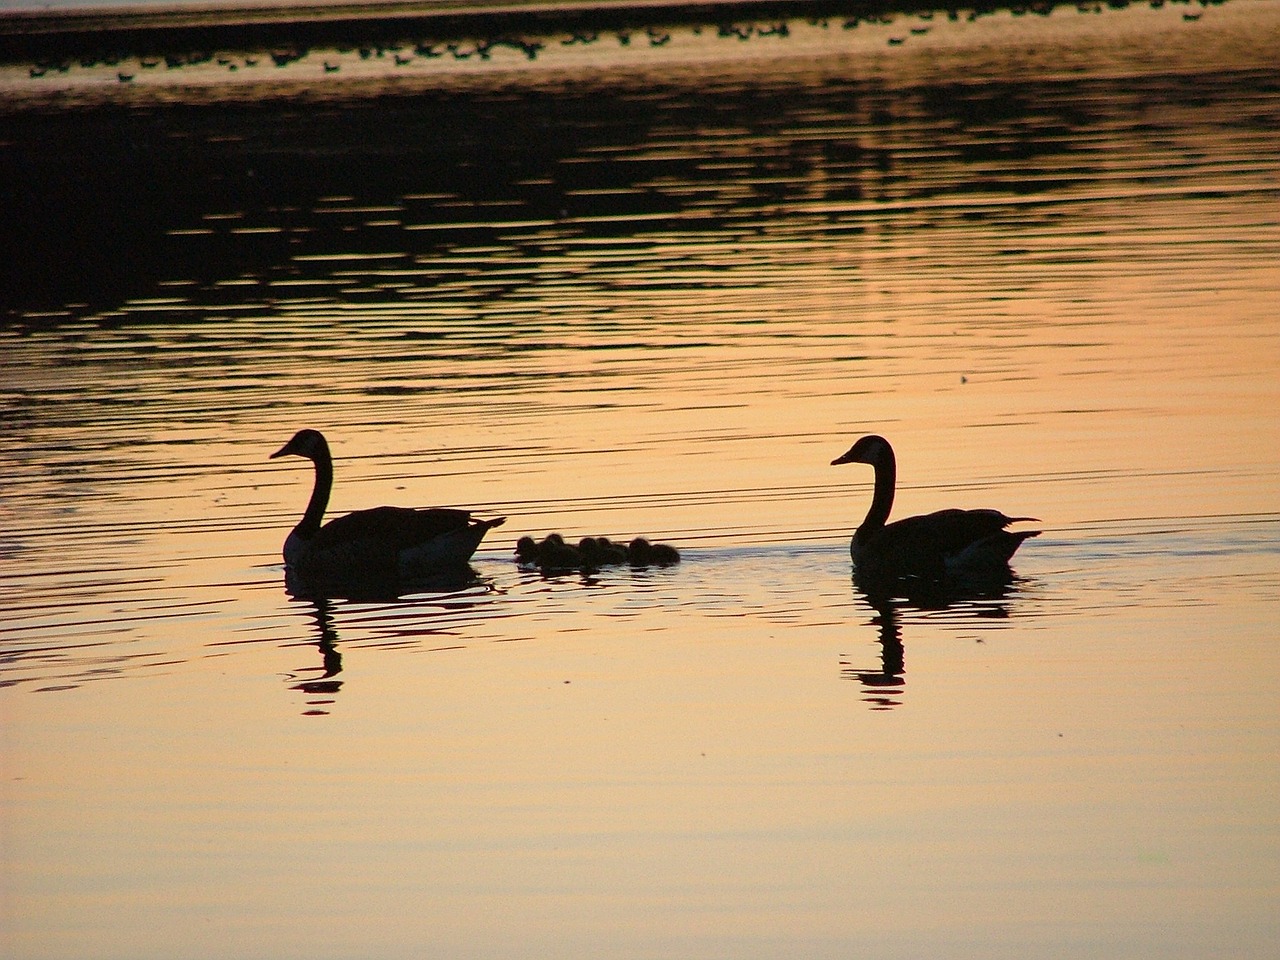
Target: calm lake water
{"points": [[650, 288]]}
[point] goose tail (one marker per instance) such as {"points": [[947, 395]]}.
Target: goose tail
{"points": [[988, 554], [451, 549]]}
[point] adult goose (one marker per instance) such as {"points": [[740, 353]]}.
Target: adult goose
{"points": [[949, 544], [385, 542]]}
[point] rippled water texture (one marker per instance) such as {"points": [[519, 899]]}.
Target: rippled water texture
{"points": [[650, 288]]}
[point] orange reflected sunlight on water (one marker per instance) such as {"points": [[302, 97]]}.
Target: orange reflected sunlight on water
{"points": [[609, 303]]}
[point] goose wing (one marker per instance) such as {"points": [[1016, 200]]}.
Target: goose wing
{"points": [[396, 528], [929, 540]]}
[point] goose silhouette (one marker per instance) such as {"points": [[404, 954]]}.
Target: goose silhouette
{"points": [[383, 542], [946, 544]]}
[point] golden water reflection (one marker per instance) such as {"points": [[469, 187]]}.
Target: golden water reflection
{"points": [[962, 605], [612, 303]]}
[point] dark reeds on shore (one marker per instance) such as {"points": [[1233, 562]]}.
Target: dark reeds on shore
{"points": [[97, 34]]}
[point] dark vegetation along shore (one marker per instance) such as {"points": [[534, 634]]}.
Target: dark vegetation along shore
{"points": [[44, 37]]}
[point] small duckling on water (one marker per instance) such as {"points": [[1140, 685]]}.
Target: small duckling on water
{"points": [[552, 553], [642, 553], [526, 550], [601, 551]]}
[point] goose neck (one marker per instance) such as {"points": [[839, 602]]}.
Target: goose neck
{"points": [[882, 500], [310, 522]]}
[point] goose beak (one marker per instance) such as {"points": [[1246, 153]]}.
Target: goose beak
{"points": [[282, 452], [843, 458]]}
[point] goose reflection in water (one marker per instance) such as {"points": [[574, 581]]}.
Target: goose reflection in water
{"points": [[323, 685], [884, 686], [432, 612], [982, 600]]}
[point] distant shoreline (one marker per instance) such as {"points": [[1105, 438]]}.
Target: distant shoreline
{"points": [[32, 36]]}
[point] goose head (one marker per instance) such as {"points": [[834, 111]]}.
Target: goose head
{"points": [[870, 449], [305, 443]]}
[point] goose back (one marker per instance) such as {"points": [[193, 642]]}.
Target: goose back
{"points": [[936, 544], [399, 528], [390, 539]]}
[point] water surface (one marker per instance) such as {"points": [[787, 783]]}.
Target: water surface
{"points": [[646, 289]]}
